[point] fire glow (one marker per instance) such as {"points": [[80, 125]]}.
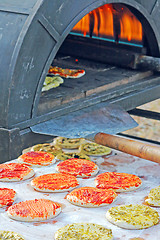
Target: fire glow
{"points": [[110, 22]]}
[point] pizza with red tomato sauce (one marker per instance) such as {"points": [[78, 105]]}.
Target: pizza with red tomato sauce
{"points": [[78, 167], [66, 73], [91, 197], [119, 182], [7, 196]]}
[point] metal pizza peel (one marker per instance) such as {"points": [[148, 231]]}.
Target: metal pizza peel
{"points": [[86, 122]]}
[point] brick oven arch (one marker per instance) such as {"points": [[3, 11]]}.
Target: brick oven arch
{"points": [[33, 35]]}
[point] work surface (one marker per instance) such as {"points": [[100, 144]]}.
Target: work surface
{"points": [[149, 173]]}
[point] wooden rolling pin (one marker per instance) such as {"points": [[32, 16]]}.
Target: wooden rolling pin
{"points": [[135, 148]]}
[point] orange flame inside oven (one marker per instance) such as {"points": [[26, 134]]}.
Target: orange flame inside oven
{"points": [[111, 23]]}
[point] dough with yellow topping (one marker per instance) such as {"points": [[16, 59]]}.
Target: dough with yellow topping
{"points": [[68, 155], [69, 143], [83, 231], [47, 147], [94, 149], [10, 235], [154, 197], [133, 216]]}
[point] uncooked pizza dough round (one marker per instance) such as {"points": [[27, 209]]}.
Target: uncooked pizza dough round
{"points": [[78, 167], [34, 210], [7, 196], [94, 149], [133, 216], [37, 158], [154, 197], [54, 182], [119, 182], [15, 172], [86, 231], [91, 197]]}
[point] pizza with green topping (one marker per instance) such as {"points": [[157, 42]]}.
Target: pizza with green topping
{"points": [[69, 155], [69, 143], [94, 149], [10, 235]]}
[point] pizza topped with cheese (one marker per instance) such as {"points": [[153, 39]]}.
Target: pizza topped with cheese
{"points": [[15, 172], [10, 235], [119, 182], [37, 158], [66, 73], [46, 147], [154, 197], [34, 210], [94, 149], [86, 231], [54, 182], [69, 155], [69, 143], [78, 167], [7, 196], [132, 216], [91, 197]]}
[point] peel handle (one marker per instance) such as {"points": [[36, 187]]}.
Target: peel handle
{"points": [[133, 147]]}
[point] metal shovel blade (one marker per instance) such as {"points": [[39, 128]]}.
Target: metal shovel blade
{"points": [[85, 123]]}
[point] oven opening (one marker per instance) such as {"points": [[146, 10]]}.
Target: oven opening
{"points": [[102, 44]]}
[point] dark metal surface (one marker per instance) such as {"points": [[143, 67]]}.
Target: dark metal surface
{"points": [[109, 118]]}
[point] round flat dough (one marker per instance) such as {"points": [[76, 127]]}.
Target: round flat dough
{"points": [[87, 231], [94, 149], [37, 158], [69, 143], [54, 182], [47, 147], [78, 167], [132, 216], [34, 210], [119, 182], [10, 235], [154, 197], [91, 197], [15, 172], [7, 196], [68, 155]]}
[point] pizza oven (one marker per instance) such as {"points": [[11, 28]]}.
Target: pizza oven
{"points": [[117, 43]]}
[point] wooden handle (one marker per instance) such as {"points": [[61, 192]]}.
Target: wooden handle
{"points": [[136, 148]]}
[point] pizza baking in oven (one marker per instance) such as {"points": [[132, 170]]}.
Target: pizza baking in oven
{"points": [[154, 197], [66, 73], [54, 182], [78, 167], [37, 158], [132, 216], [91, 197], [69, 143], [7, 196], [86, 231], [34, 210], [15, 172], [94, 149], [119, 182]]}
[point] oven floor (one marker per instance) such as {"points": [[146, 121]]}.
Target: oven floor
{"points": [[99, 77]]}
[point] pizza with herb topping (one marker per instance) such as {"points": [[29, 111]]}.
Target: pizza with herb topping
{"points": [[46, 147], [69, 155], [78, 167], [34, 210], [132, 216], [119, 182], [66, 73], [69, 143], [86, 231], [91, 197], [15, 172], [154, 197], [94, 149], [10, 235], [7, 196], [54, 182], [37, 158]]}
